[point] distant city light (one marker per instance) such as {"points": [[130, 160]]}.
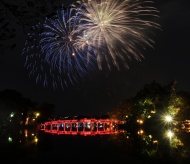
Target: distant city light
{"points": [[140, 121], [155, 141], [140, 132], [37, 115], [12, 114], [10, 139]]}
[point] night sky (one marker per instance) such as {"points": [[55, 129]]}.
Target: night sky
{"points": [[101, 91]]}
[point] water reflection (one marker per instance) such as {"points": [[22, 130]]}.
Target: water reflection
{"points": [[21, 136], [140, 146]]}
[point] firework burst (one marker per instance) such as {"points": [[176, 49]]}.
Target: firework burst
{"points": [[55, 52], [106, 33], [119, 29]]}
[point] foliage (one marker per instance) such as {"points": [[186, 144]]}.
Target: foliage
{"points": [[146, 100], [151, 104]]}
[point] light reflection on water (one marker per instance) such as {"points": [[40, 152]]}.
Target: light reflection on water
{"points": [[21, 136], [37, 146]]}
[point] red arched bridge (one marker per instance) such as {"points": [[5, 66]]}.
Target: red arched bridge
{"points": [[83, 126]]}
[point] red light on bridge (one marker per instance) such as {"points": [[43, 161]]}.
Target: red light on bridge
{"points": [[81, 127]]}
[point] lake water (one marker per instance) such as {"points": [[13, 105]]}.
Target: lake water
{"points": [[46, 148], [29, 146]]}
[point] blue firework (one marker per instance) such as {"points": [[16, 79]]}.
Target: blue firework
{"points": [[56, 52]]}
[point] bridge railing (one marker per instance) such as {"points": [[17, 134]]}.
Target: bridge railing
{"points": [[82, 126]]}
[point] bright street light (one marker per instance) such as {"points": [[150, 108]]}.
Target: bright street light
{"points": [[168, 118]]}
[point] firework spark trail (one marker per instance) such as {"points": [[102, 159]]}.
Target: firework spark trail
{"points": [[104, 32], [55, 52], [119, 29]]}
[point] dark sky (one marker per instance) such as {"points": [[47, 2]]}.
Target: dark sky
{"points": [[168, 61]]}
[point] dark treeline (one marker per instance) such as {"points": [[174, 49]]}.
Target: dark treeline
{"points": [[17, 110]]}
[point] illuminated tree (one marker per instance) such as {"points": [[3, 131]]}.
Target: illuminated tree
{"points": [[151, 105], [148, 99]]}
